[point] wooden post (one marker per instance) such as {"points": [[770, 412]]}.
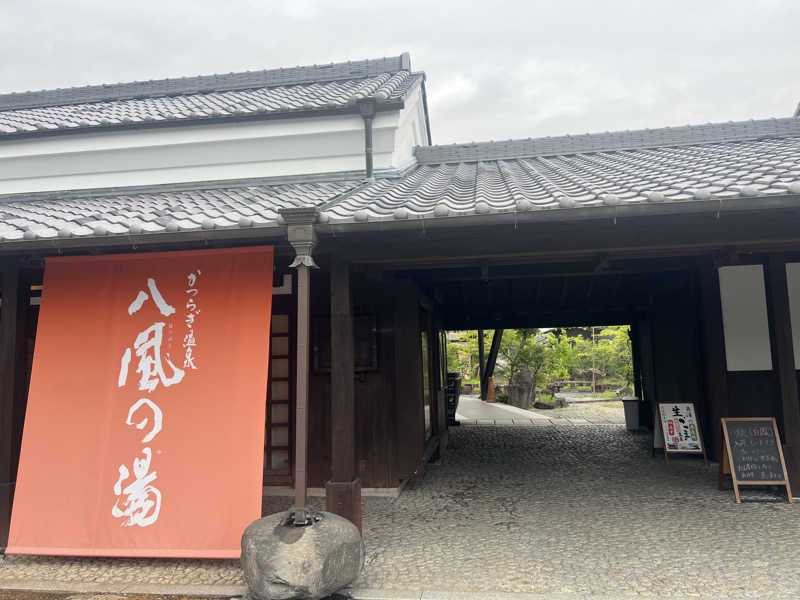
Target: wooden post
{"points": [[647, 408], [716, 368], [783, 362], [9, 333], [409, 417], [492, 360], [633, 334], [481, 364], [343, 491]]}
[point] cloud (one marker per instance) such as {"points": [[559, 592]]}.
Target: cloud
{"points": [[495, 70]]}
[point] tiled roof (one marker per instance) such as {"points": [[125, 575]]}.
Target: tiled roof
{"points": [[483, 178], [618, 140], [752, 168], [301, 89], [72, 214]]}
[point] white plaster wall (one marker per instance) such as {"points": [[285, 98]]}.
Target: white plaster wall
{"points": [[744, 318], [270, 148], [411, 130]]}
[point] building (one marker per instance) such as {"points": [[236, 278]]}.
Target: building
{"points": [[688, 234]]}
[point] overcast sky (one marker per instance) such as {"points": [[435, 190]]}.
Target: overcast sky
{"points": [[496, 71]]}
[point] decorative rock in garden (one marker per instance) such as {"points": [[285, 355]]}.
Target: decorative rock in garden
{"points": [[558, 402], [520, 390], [300, 553]]}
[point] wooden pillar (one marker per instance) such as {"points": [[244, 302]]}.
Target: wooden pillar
{"points": [[409, 417], [481, 364], [783, 361], [633, 334], [716, 367], [493, 350], [343, 491], [647, 407], [9, 334]]}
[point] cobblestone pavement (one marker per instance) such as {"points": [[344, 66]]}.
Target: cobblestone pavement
{"points": [[549, 509], [583, 509]]}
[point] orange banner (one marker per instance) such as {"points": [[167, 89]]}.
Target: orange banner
{"points": [[144, 432]]}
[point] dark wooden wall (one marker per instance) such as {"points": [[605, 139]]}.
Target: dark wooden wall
{"points": [[388, 400], [676, 348]]}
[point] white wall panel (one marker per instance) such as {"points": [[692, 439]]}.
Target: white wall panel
{"points": [[793, 283], [744, 318], [268, 148]]}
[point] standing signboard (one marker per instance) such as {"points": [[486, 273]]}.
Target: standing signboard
{"points": [[752, 454], [144, 432], [680, 429]]}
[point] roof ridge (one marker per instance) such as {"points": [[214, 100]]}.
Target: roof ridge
{"points": [[206, 83], [609, 141]]}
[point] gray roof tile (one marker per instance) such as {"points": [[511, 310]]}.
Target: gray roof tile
{"points": [[764, 161], [301, 89], [752, 166], [97, 214]]}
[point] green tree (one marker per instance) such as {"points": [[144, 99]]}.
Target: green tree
{"points": [[523, 349], [462, 352], [563, 359]]}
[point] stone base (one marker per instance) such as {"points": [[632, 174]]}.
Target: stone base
{"points": [[282, 560], [343, 498]]}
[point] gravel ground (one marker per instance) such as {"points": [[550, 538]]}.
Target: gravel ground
{"points": [[540, 509], [608, 411]]}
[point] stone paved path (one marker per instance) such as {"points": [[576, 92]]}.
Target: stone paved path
{"points": [[564, 510], [473, 411], [580, 509]]}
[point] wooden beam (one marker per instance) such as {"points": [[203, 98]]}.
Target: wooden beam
{"points": [[482, 364], [675, 235], [783, 361], [343, 491], [716, 367], [9, 333]]}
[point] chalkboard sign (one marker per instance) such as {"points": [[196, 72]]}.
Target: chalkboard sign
{"points": [[680, 429], [752, 453]]}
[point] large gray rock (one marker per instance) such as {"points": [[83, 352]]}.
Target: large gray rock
{"points": [[520, 390], [282, 561]]}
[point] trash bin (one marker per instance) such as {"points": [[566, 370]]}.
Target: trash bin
{"points": [[453, 392], [631, 413]]}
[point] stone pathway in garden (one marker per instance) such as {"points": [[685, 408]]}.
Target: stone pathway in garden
{"points": [[472, 410], [558, 511]]}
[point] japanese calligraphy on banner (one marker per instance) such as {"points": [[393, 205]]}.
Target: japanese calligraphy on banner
{"points": [[680, 428], [144, 432]]}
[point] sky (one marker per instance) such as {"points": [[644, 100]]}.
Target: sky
{"points": [[495, 70]]}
